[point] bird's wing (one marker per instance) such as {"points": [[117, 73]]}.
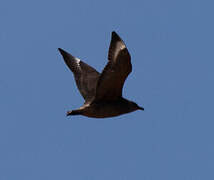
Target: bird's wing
{"points": [[86, 77], [111, 80]]}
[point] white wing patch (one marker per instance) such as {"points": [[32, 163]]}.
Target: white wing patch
{"points": [[78, 62], [119, 47], [122, 46]]}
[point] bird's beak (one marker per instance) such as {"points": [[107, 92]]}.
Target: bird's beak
{"points": [[141, 108]]}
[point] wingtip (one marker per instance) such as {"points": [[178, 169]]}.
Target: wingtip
{"points": [[115, 36], [114, 33], [61, 50]]}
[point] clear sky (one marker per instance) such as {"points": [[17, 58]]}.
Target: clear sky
{"points": [[171, 44]]}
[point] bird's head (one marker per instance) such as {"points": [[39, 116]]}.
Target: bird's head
{"points": [[134, 106]]}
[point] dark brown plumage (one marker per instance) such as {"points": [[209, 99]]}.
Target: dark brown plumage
{"points": [[103, 92]]}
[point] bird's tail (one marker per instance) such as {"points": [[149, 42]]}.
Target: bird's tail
{"points": [[74, 112]]}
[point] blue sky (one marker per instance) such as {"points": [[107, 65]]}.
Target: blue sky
{"points": [[171, 44]]}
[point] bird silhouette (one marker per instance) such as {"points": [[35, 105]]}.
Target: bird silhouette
{"points": [[103, 92]]}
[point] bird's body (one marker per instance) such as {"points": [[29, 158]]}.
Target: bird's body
{"points": [[104, 109], [103, 92]]}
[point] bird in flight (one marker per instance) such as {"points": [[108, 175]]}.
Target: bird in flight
{"points": [[103, 92]]}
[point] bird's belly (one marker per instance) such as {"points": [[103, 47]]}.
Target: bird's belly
{"points": [[104, 110]]}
